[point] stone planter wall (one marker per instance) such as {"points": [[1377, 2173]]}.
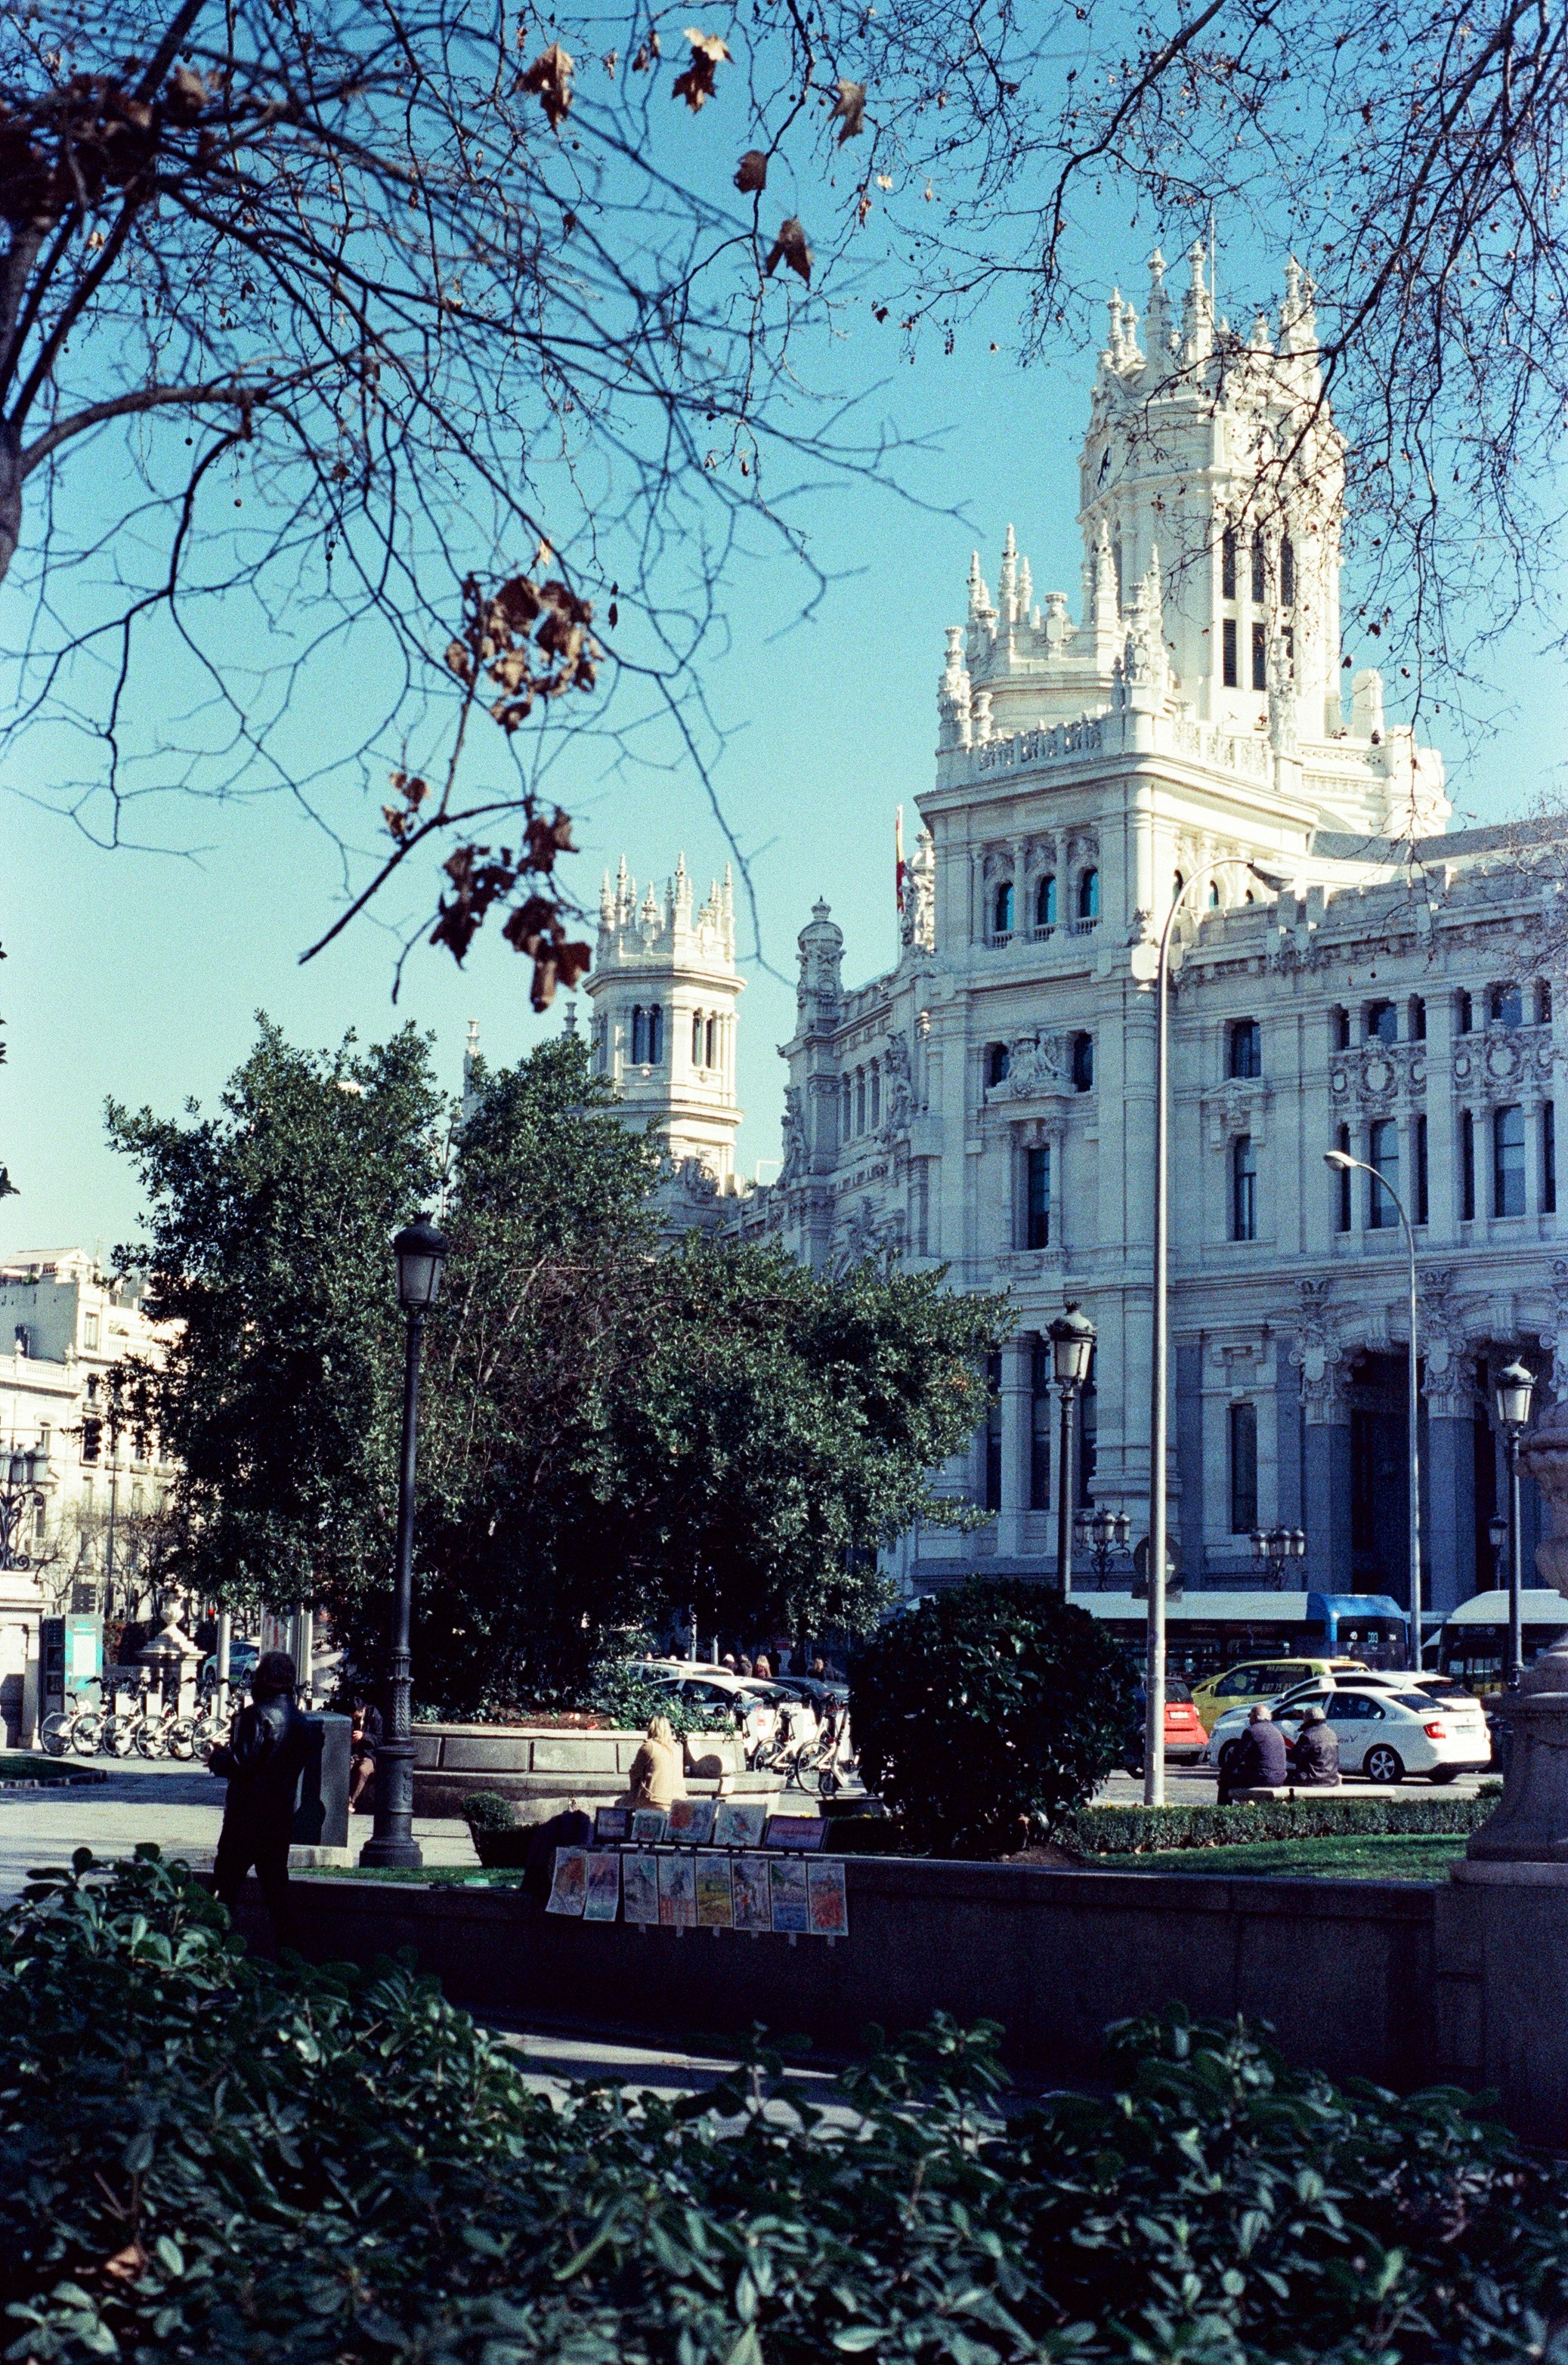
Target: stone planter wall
{"points": [[539, 1769]]}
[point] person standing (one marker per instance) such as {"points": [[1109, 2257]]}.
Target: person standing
{"points": [[261, 1762], [364, 1746]]}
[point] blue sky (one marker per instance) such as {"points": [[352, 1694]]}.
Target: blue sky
{"points": [[139, 975]]}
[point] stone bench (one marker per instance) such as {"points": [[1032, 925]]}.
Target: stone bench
{"points": [[539, 1769]]}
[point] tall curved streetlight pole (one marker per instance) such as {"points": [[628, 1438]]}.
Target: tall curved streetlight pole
{"points": [[1343, 1159], [1158, 1425]]}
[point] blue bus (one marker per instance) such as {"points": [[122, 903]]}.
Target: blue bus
{"points": [[1209, 1631]]}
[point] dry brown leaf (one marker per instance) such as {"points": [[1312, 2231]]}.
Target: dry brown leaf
{"points": [[751, 173], [850, 104], [790, 247], [550, 78], [696, 85]]}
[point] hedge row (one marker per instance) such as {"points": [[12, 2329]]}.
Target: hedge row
{"points": [[1137, 1831]]}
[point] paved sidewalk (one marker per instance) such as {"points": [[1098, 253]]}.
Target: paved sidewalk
{"points": [[181, 1807]]}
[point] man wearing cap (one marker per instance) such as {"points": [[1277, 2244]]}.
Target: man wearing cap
{"points": [[263, 1760]]}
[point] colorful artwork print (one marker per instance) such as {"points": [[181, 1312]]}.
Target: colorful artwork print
{"points": [[603, 1900], [640, 1887], [715, 1910], [677, 1892], [748, 1888], [788, 1883], [648, 1823], [824, 1890], [613, 1823], [796, 1831], [692, 1821], [568, 1888], [740, 1823]]}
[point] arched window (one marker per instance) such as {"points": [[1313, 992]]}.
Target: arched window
{"points": [[697, 1038], [1243, 1188], [1178, 881], [1002, 910], [859, 1100], [875, 1095], [1045, 902], [1506, 1005], [1464, 1013], [710, 1032], [1381, 1023], [1083, 1063], [1508, 1161], [1287, 573], [997, 1063], [1260, 571], [846, 1109], [639, 1036], [1245, 1048], [656, 1034], [1227, 564], [1089, 895], [1214, 894]]}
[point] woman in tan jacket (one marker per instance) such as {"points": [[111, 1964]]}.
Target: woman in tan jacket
{"points": [[657, 1774]]}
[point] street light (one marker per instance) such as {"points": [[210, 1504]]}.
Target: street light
{"points": [[1274, 1546], [1346, 1164], [421, 1252], [21, 1476], [1104, 1533], [1514, 1389], [1159, 1384], [1072, 1350]]}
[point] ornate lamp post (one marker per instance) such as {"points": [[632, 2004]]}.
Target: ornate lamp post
{"points": [[1271, 1547], [420, 1251], [1072, 1347], [21, 1476], [1346, 1165], [1515, 1387], [1104, 1533]]}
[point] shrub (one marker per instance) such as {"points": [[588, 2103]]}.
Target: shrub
{"points": [[204, 2157], [1134, 1831], [482, 1811], [993, 1709]]}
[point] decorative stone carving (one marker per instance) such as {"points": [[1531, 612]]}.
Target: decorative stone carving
{"points": [[794, 1138], [822, 963], [919, 924], [1240, 1106], [1447, 1377], [1375, 1075], [898, 1090], [1038, 1067], [1318, 1353]]}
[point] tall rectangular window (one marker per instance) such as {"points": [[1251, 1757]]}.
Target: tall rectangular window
{"points": [[991, 1498], [1243, 1188], [1260, 571], [1245, 1048], [1382, 1151], [1037, 1196], [1547, 1159], [1040, 1428], [1243, 1469], [1342, 1186], [1423, 1196], [1260, 658], [1466, 1166], [1227, 644], [697, 1038], [90, 1333], [1227, 564], [1508, 1161]]}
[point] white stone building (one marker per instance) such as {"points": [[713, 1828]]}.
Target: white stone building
{"points": [[986, 1105], [64, 1323]]}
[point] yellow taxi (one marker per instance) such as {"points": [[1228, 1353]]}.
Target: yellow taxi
{"points": [[1260, 1680]]}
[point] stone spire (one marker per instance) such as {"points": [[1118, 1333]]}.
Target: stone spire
{"points": [[1007, 581], [980, 608], [1197, 313], [1157, 312]]}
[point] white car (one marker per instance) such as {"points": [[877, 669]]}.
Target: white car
{"points": [[1384, 1731]]}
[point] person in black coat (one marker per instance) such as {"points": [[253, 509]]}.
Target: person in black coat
{"points": [[262, 1761], [1316, 1753], [1259, 1763]]}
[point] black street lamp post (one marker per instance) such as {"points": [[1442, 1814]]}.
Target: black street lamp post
{"points": [[1072, 1348], [1514, 1388], [420, 1251], [20, 1485], [1102, 1534]]}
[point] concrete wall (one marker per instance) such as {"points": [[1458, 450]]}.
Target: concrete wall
{"points": [[1343, 1969], [540, 1769]]}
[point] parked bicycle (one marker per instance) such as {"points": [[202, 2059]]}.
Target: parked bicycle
{"points": [[77, 1729]]}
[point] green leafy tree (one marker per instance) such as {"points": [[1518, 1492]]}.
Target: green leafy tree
{"points": [[987, 1710], [268, 1253]]}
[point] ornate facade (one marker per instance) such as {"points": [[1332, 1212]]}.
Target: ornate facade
{"points": [[988, 1105]]}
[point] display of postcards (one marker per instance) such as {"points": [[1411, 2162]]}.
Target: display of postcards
{"points": [[824, 1889], [677, 1892], [612, 1822], [648, 1823], [748, 1888], [569, 1889], [640, 1887], [603, 1900], [788, 1884], [740, 1823], [795, 1831], [714, 1908]]}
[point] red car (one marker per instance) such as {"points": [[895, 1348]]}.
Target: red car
{"points": [[1185, 1740]]}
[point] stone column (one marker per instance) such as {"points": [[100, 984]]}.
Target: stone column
{"points": [[1327, 1484], [1017, 1380], [1449, 1512]]}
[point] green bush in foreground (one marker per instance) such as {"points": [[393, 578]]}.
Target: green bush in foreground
{"points": [[1134, 1831], [210, 2159]]}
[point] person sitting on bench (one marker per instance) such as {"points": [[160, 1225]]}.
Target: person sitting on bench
{"points": [[1259, 1762]]}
